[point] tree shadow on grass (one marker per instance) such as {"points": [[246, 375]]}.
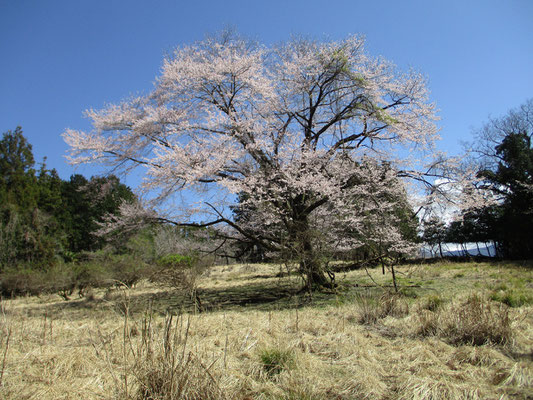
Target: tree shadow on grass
{"points": [[260, 296], [263, 295]]}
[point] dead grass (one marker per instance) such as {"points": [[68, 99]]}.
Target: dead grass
{"points": [[90, 350], [475, 320], [373, 309]]}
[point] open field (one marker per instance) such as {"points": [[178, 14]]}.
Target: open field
{"points": [[457, 331]]}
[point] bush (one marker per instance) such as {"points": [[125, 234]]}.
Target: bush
{"points": [[93, 270], [127, 269], [21, 281], [61, 279], [91, 274], [179, 271]]}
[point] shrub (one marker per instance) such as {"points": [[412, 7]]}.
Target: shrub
{"points": [[127, 269], [21, 281], [181, 272], [178, 271], [61, 279], [91, 274]]}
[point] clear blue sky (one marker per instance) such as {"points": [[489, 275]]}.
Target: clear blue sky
{"points": [[60, 57]]}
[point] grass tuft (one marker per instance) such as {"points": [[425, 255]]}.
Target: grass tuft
{"points": [[274, 360], [371, 310], [432, 303], [476, 321]]}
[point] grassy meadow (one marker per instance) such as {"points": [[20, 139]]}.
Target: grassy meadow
{"points": [[455, 331]]}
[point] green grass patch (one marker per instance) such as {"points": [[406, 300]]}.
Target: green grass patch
{"points": [[432, 303], [512, 298], [275, 361]]}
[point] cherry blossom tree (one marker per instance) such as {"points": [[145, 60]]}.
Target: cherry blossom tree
{"points": [[316, 138]]}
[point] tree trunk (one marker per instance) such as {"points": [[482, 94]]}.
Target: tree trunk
{"points": [[311, 268], [314, 274], [488, 248], [394, 278]]}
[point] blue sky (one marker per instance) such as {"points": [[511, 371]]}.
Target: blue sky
{"points": [[60, 57]]}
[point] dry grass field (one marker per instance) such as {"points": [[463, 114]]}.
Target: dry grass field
{"points": [[457, 331]]}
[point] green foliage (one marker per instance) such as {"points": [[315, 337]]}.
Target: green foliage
{"points": [[510, 177], [28, 233], [434, 233], [17, 176], [42, 217], [87, 202], [177, 260]]}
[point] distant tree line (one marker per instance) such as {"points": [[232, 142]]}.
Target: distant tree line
{"points": [[43, 218], [49, 240]]}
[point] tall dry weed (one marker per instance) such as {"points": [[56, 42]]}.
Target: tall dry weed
{"points": [[5, 331], [156, 363]]}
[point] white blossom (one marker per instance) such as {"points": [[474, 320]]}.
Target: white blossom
{"points": [[305, 132]]}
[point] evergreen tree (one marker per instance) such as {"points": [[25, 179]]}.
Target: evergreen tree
{"points": [[514, 181], [42, 216], [86, 204], [17, 176], [507, 170]]}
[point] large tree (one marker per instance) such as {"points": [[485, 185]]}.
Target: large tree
{"points": [[315, 137]]}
